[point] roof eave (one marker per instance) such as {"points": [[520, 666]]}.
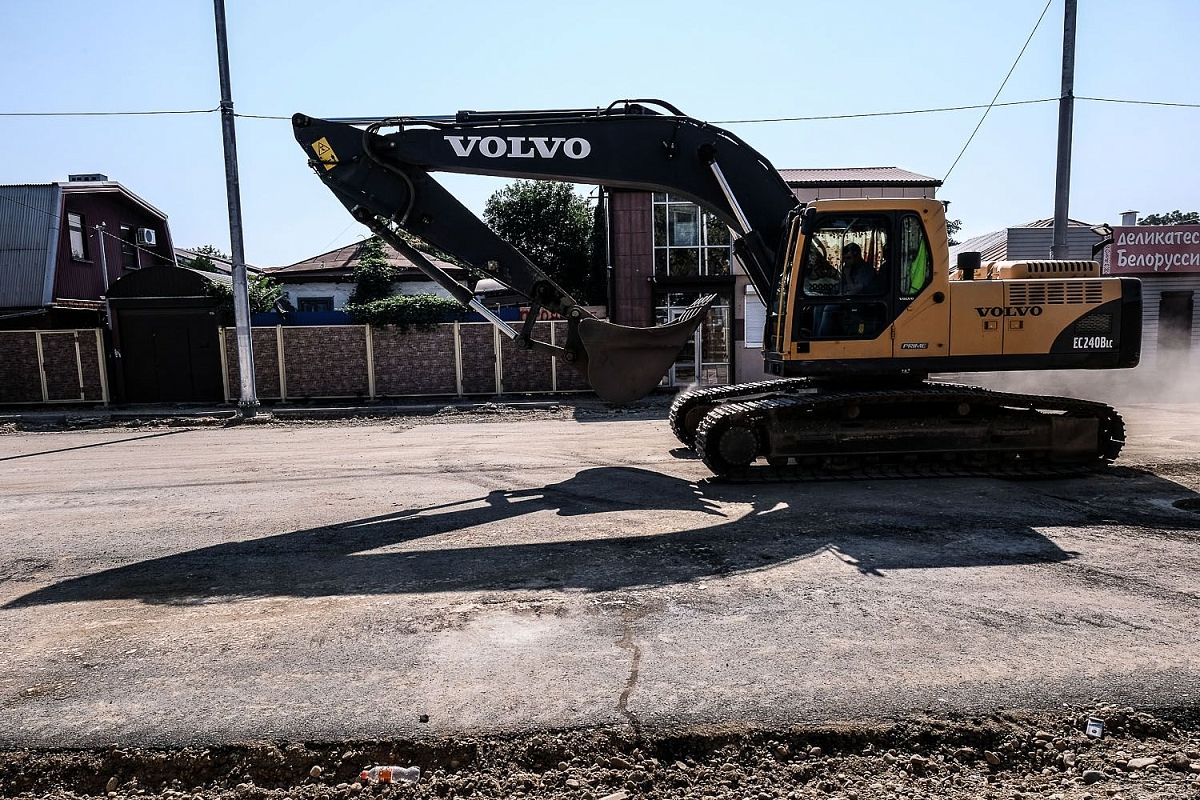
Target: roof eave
{"points": [[857, 184], [82, 187]]}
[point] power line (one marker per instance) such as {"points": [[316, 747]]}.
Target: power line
{"points": [[1138, 102], [996, 97], [58, 217], [104, 113], [136, 246], [339, 235], [880, 113], [32, 208], [810, 118], [865, 114]]}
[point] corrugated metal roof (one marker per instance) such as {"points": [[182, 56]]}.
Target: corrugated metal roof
{"points": [[1049, 223], [990, 246], [184, 255], [29, 225], [994, 246], [856, 176], [215, 277], [1035, 242], [343, 259]]}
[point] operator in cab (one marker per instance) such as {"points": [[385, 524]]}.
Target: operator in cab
{"points": [[860, 277]]}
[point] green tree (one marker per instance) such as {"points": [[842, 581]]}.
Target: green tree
{"points": [[1172, 218], [373, 275], [552, 226], [264, 292], [953, 226], [203, 260], [406, 310], [372, 302]]}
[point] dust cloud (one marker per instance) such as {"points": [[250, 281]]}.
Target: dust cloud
{"points": [[1169, 378]]}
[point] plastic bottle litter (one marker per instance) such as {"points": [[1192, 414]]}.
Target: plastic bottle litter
{"points": [[390, 775]]}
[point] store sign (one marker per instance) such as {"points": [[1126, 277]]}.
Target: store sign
{"points": [[1153, 248], [545, 315]]}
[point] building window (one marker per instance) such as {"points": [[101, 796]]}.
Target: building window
{"points": [[704, 359], [756, 319], [129, 253], [688, 241], [75, 229], [315, 303]]}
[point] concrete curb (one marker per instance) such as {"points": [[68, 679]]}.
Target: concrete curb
{"points": [[87, 418]]}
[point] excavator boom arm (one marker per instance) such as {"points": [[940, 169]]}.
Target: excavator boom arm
{"points": [[382, 175]]}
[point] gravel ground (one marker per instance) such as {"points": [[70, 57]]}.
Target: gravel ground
{"points": [[1009, 755], [1004, 595]]}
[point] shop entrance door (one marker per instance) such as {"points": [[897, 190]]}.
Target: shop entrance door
{"points": [[1175, 322], [704, 359]]}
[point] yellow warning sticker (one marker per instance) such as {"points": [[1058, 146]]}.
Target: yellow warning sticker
{"points": [[325, 153]]}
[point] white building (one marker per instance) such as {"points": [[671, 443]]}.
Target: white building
{"points": [[325, 282]]}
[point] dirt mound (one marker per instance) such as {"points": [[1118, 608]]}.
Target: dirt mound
{"points": [[1006, 755]]}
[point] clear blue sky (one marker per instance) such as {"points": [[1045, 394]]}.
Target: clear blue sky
{"points": [[715, 60]]}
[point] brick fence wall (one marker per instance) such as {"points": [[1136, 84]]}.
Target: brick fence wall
{"points": [[357, 361], [53, 366]]}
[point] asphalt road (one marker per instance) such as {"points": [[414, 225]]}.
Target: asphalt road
{"points": [[520, 572]]}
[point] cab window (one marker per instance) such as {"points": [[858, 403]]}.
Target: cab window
{"points": [[847, 257], [845, 281], [916, 267]]}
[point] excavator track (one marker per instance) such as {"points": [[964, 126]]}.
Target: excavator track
{"points": [[933, 429], [690, 407]]}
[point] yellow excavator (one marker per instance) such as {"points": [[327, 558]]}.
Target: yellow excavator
{"points": [[863, 304]]}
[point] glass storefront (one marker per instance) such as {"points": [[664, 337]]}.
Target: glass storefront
{"points": [[691, 249], [688, 241]]}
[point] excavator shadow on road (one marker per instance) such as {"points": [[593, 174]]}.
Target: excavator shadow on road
{"points": [[631, 528]]}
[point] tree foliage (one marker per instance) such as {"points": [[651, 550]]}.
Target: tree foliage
{"points": [[203, 259], [552, 225], [373, 275], [953, 226], [1171, 218], [264, 292], [372, 302], [405, 311]]}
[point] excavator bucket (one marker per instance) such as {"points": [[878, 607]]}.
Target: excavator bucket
{"points": [[624, 364]]}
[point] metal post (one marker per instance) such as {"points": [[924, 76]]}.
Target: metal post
{"points": [[248, 402], [369, 343], [1066, 110]]}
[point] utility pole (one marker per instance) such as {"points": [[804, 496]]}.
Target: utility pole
{"points": [[248, 402], [1066, 111]]}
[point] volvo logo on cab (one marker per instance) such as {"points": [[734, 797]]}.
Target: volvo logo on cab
{"points": [[1009, 311], [520, 146]]}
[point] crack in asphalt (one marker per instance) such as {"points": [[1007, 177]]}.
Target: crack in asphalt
{"points": [[627, 643], [95, 444]]}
